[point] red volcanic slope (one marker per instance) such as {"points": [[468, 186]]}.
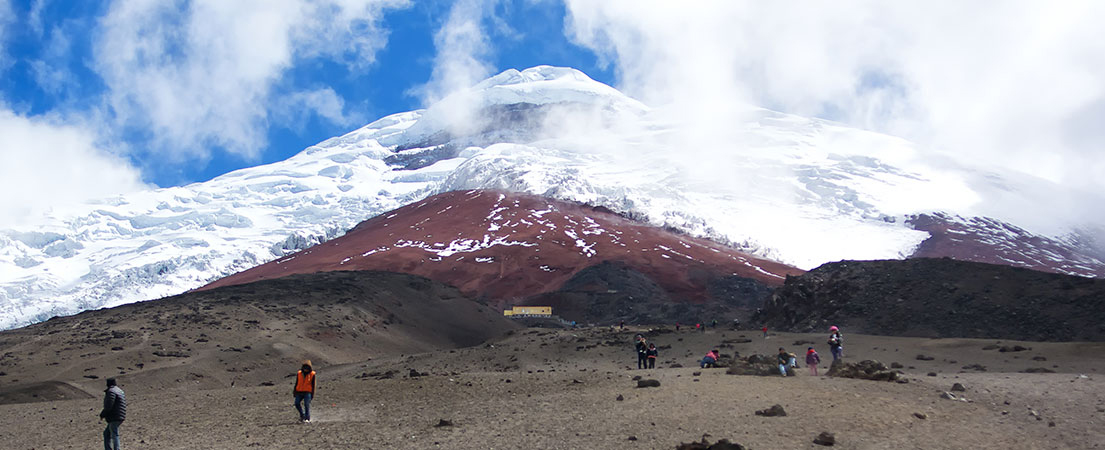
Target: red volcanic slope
{"points": [[505, 246], [985, 240]]}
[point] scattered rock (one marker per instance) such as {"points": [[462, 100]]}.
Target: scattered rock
{"points": [[1015, 348], [895, 365], [723, 444], [648, 383], [863, 370], [1038, 370], [1039, 358], [948, 396], [638, 377], [620, 398], [958, 387], [696, 374], [267, 383], [931, 374], [925, 358], [774, 411], [676, 365], [825, 438], [633, 438], [444, 423], [1051, 423], [415, 374], [920, 415], [978, 367]]}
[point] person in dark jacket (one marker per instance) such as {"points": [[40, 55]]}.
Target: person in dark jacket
{"points": [[114, 412], [642, 353], [652, 353], [783, 360]]}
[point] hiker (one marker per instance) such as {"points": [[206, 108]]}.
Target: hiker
{"points": [[698, 326], [836, 343], [304, 391], [114, 412], [812, 360], [713, 323], [783, 360], [652, 353], [710, 360], [642, 352], [765, 331], [621, 325], [676, 326]]}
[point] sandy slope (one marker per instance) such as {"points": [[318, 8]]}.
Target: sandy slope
{"points": [[561, 397]]}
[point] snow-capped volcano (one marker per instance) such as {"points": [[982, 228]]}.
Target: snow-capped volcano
{"points": [[798, 190]]}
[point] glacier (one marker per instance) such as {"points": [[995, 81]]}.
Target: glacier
{"points": [[799, 190]]}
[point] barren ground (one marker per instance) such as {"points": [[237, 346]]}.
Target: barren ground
{"points": [[558, 389]]}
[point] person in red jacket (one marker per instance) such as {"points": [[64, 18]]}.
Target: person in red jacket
{"points": [[304, 391], [812, 360]]}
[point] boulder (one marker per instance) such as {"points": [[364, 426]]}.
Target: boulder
{"points": [[774, 411], [863, 370], [723, 444], [825, 438], [648, 383]]}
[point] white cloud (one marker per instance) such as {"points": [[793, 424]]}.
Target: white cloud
{"points": [[204, 77], [1015, 84], [44, 164], [324, 103]]}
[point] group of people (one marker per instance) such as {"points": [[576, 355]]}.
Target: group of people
{"points": [[789, 360], [646, 353]]}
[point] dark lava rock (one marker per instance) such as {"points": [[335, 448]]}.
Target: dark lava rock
{"points": [[939, 297], [895, 365], [924, 358], [1039, 358], [978, 367], [1015, 348], [620, 398], [863, 370], [774, 411], [648, 383], [920, 415], [1038, 370], [695, 374], [637, 377], [723, 444], [267, 383], [825, 438], [958, 387], [444, 423], [633, 438], [931, 374]]}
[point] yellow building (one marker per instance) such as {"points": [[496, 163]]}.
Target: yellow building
{"points": [[528, 311]]}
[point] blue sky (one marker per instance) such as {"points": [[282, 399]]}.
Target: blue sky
{"points": [[369, 92], [100, 98]]}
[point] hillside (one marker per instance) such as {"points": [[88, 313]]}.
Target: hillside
{"points": [[941, 298], [245, 335], [506, 248]]}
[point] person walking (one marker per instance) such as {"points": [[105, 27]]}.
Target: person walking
{"points": [[304, 391], [652, 353], [765, 331], [114, 412], [783, 358], [642, 353], [836, 343], [812, 360]]}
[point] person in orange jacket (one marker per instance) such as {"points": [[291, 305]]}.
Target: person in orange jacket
{"points": [[304, 391]]}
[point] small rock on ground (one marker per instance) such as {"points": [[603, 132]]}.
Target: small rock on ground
{"points": [[825, 438]]}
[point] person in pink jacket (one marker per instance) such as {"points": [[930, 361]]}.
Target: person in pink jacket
{"points": [[812, 360]]}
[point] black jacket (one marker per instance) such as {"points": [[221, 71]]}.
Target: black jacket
{"points": [[784, 358], [115, 405], [652, 353]]}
